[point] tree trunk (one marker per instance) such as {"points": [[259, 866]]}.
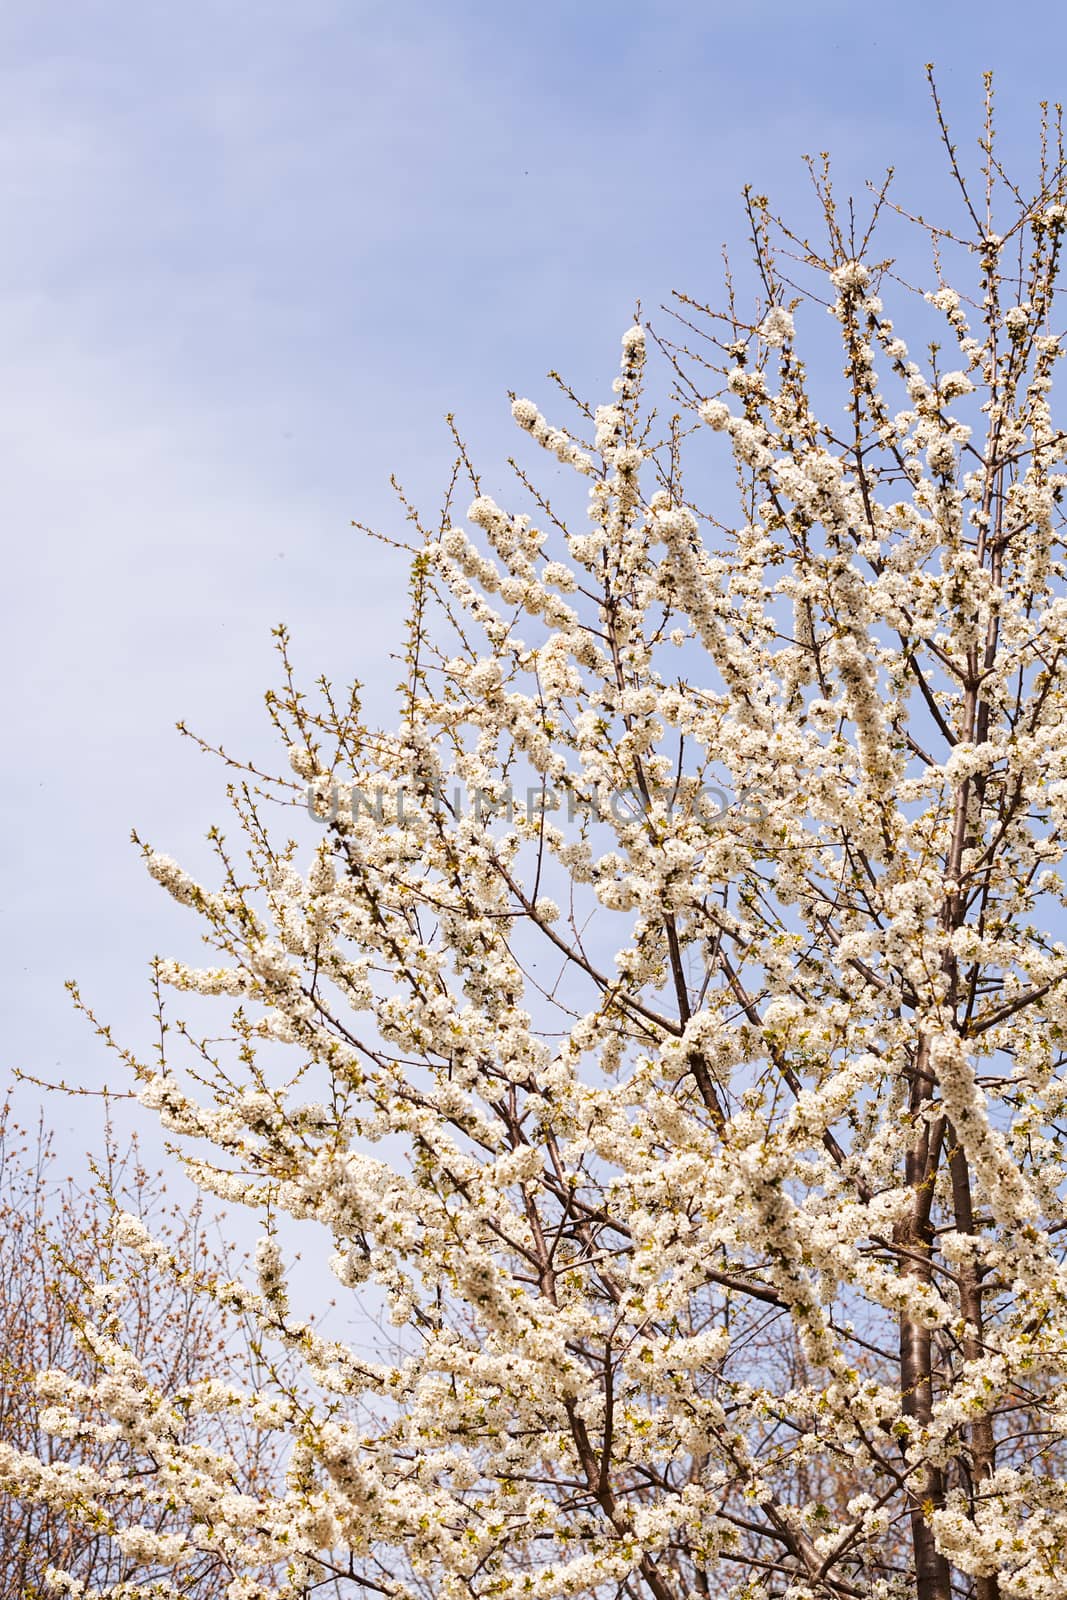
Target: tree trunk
{"points": [[932, 1578]]}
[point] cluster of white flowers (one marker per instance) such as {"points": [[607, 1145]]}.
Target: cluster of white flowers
{"points": [[851, 277], [555, 440], [777, 328]]}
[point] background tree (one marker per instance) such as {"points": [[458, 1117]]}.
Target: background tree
{"points": [[61, 1270], [711, 1162]]}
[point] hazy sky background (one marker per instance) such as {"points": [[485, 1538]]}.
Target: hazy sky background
{"points": [[252, 253]]}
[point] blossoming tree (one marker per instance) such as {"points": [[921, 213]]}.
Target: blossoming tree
{"points": [[672, 993]]}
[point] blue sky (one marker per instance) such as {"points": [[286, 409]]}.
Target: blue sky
{"points": [[252, 254]]}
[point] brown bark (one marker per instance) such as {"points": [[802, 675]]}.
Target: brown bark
{"points": [[982, 1437], [913, 1235]]}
